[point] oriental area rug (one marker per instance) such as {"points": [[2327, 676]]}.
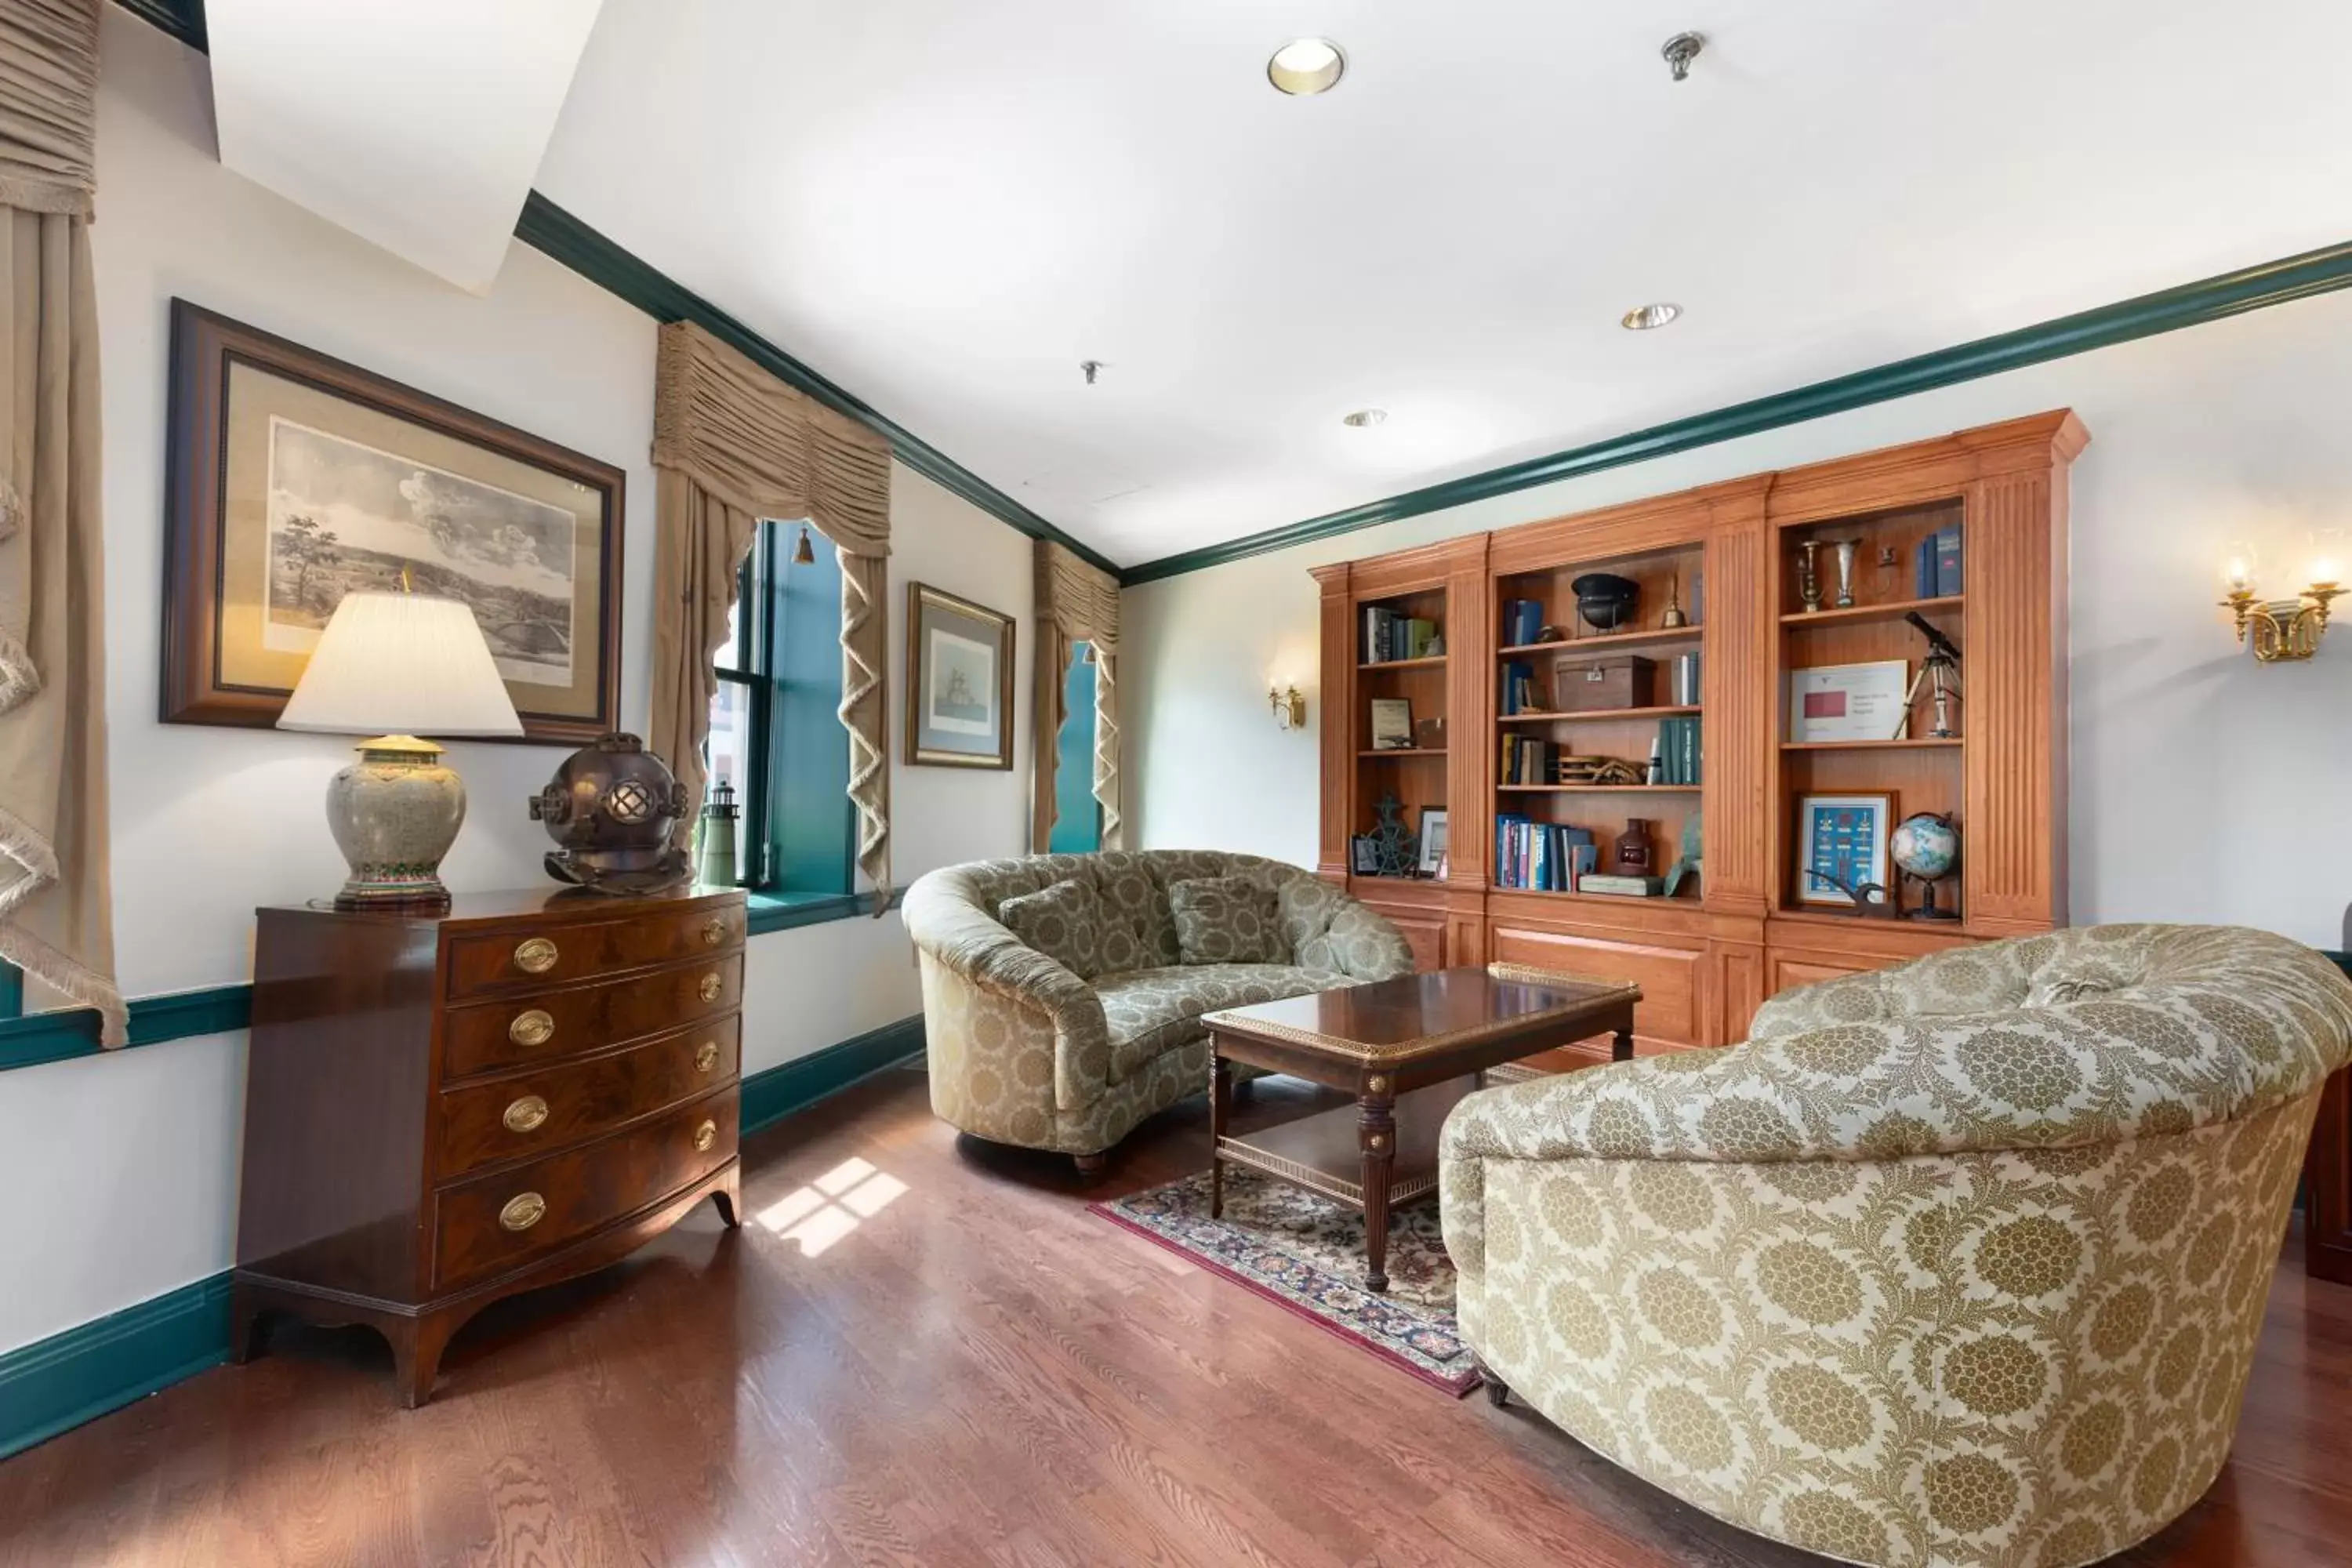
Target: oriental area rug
{"points": [[1306, 1253]]}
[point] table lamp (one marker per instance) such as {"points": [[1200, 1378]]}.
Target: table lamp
{"points": [[394, 666]]}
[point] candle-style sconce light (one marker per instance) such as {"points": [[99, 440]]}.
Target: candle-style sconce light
{"points": [[1289, 707], [2282, 631]]}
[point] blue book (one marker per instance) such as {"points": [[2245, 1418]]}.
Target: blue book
{"points": [[1948, 560], [1923, 569]]}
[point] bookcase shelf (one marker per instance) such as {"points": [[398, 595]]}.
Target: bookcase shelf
{"points": [[1729, 554], [1594, 715], [1403, 751], [1433, 662], [1890, 612]]}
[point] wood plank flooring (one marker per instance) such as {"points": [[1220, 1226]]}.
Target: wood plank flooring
{"points": [[922, 1350]]}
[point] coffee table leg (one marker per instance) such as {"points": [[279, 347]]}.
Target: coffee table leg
{"points": [[1376, 1137], [1221, 1098], [1621, 1050]]}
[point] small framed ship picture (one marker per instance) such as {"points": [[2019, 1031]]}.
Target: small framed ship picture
{"points": [[959, 682]]}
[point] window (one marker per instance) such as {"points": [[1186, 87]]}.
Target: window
{"points": [[1077, 816], [775, 725]]}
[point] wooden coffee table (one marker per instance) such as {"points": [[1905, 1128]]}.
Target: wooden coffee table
{"points": [[1408, 1050]]}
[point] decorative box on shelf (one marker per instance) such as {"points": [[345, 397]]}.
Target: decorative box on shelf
{"points": [[444, 1110]]}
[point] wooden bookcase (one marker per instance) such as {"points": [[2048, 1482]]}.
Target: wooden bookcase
{"points": [[1708, 957]]}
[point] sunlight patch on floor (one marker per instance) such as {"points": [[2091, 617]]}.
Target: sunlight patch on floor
{"points": [[827, 1209]]}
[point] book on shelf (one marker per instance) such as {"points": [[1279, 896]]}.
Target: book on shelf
{"points": [[1683, 680], [1678, 751], [1948, 561], [1622, 887], [1542, 857], [1389, 636], [1520, 689], [1522, 622], [1923, 569]]}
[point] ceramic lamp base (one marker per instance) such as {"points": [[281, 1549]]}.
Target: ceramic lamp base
{"points": [[394, 813]]}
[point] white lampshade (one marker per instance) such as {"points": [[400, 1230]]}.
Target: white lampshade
{"points": [[401, 664]]}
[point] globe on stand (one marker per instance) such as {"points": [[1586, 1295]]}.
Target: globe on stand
{"points": [[1924, 848]]}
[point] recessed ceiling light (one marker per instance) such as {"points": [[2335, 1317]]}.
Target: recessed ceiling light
{"points": [[1644, 317], [1306, 66], [1364, 417]]}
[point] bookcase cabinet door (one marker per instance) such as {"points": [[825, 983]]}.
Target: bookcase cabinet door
{"points": [[1668, 1015]]}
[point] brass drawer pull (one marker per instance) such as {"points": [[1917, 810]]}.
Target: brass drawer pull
{"points": [[706, 1055], [522, 1211], [704, 1136], [714, 931], [535, 955], [535, 1027], [528, 1114], [710, 987]]}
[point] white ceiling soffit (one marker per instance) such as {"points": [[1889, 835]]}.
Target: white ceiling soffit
{"points": [[417, 124], [946, 207]]}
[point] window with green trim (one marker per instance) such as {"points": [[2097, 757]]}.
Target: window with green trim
{"points": [[1077, 816], [775, 727]]}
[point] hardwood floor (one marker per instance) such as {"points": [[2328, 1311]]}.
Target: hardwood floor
{"points": [[944, 1359]]}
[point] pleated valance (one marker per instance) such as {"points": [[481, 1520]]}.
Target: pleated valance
{"points": [[49, 105], [56, 909], [1076, 602], [732, 446]]}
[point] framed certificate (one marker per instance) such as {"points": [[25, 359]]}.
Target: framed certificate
{"points": [[1848, 701]]}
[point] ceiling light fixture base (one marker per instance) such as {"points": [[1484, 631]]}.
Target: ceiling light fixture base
{"points": [[1680, 51]]}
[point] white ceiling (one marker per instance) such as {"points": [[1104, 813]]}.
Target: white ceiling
{"points": [[413, 123], [945, 207]]}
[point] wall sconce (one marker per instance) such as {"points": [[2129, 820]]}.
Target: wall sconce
{"points": [[1290, 708], [2281, 630]]}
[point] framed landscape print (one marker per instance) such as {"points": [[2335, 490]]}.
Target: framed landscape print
{"points": [[959, 681], [295, 478], [1842, 836]]}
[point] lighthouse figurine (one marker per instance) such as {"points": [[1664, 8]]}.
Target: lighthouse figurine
{"points": [[714, 859]]}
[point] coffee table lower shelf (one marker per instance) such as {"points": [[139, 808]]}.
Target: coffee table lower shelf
{"points": [[1322, 1153]]}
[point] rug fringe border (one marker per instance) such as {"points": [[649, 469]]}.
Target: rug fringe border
{"points": [[1459, 1387]]}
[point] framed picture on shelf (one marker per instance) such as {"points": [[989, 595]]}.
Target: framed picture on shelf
{"points": [[1434, 838], [1847, 701], [295, 478], [1392, 724], [1840, 844], [959, 690], [1363, 855]]}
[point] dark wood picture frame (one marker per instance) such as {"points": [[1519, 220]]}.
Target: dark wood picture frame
{"points": [[919, 756], [206, 345]]}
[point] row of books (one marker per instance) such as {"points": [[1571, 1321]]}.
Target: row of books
{"points": [[1546, 857], [1389, 636], [1677, 754], [1523, 622], [1528, 761], [1936, 564]]}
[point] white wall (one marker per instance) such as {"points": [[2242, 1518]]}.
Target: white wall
{"points": [[2204, 787], [209, 823]]}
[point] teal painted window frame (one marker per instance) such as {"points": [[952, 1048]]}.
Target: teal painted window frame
{"points": [[800, 828], [1077, 815]]}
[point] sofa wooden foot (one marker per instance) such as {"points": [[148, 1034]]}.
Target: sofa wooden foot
{"points": [[1089, 1166], [1498, 1393]]}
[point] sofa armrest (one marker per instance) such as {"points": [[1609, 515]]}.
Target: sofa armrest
{"points": [[1369, 945], [982, 952]]}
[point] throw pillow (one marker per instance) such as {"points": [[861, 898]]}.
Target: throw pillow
{"points": [[1227, 920], [1062, 921]]}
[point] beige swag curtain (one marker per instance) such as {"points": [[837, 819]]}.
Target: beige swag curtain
{"points": [[56, 923], [733, 445], [1076, 603]]}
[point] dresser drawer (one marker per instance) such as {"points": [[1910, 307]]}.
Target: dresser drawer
{"points": [[482, 965], [494, 1223], [524, 1030], [508, 1118]]}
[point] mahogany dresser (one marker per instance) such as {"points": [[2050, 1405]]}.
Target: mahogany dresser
{"points": [[444, 1109]]}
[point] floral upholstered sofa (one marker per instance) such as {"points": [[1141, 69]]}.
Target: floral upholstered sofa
{"points": [[1958, 1263], [1067, 1035]]}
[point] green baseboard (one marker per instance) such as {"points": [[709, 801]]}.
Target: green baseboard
{"points": [[56, 1383], [78, 1376]]}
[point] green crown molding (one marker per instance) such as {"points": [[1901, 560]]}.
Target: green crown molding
{"points": [[548, 227], [2190, 305], [54, 1385], [184, 19]]}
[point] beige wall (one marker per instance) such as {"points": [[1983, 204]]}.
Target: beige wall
{"points": [[2204, 787], [208, 823]]}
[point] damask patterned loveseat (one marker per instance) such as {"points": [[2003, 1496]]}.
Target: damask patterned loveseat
{"points": [[1958, 1263], [1024, 1050]]}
